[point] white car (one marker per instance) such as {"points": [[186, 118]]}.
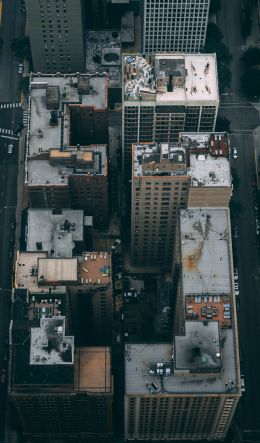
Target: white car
{"points": [[10, 149], [234, 152], [20, 68]]}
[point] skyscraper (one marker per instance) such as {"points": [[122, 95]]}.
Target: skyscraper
{"points": [[56, 32], [176, 25], [166, 177], [188, 389], [164, 95]]}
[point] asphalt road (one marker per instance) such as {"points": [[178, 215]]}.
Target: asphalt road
{"points": [[11, 27], [244, 118]]}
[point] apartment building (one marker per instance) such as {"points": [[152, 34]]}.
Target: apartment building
{"points": [[188, 389], [167, 177], [57, 34], [177, 25], [165, 94], [66, 153], [86, 279], [60, 392]]}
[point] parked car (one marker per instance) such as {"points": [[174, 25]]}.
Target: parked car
{"points": [[116, 243], [20, 68], [236, 232], [1, 43], [235, 153], [17, 128], [10, 149]]}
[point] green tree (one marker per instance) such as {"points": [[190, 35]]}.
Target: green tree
{"points": [[235, 178], [222, 124], [21, 47], [213, 34], [24, 84], [235, 207], [250, 82], [215, 6], [224, 76], [251, 57]]}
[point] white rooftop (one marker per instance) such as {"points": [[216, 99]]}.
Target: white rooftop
{"points": [[50, 345], [54, 232], [193, 76], [205, 251], [41, 135], [205, 170]]}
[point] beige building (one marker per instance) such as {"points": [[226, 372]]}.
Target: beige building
{"points": [[189, 389], [57, 36], [167, 177], [165, 94]]}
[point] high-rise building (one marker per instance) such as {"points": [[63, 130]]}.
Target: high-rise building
{"points": [[57, 36], [176, 25], [66, 159], [164, 95], [167, 177], [188, 389], [60, 392]]}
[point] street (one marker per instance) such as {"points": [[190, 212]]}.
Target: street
{"points": [[10, 114], [244, 118]]}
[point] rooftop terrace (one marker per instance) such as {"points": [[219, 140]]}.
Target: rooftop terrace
{"points": [[95, 268], [93, 369], [171, 78]]}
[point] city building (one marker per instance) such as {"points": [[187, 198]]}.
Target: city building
{"points": [[60, 392], [166, 177], [165, 94], [59, 232], [188, 389], [66, 152], [57, 35], [87, 279], [174, 25]]}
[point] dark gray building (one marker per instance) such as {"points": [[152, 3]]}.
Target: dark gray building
{"points": [[56, 32]]}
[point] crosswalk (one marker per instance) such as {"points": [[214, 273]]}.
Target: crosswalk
{"points": [[10, 105], [6, 131], [25, 118]]}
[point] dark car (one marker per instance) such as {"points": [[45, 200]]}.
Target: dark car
{"points": [[17, 128], [1, 43]]}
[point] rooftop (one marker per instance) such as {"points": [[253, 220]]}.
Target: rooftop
{"points": [[54, 231], [53, 271], [128, 27], [50, 345], [93, 369], [206, 170], [95, 268], [49, 107], [171, 79], [205, 251], [215, 143], [26, 274], [56, 170], [158, 159]]}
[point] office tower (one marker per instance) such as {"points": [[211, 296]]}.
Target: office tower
{"points": [[188, 389], [164, 95], [60, 392], [166, 177], [176, 25], [57, 36], [66, 158]]}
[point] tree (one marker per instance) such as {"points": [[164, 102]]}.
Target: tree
{"points": [[24, 84], [224, 76], [21, 47], [235, 178], [213, 34], [215, 6], [250, 82], [222, 124], [235, 207], [251, 57]]}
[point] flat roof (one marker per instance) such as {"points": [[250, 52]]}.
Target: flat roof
{"points": [[51, 270], [50, 345], [91, 160], [205, 251], [54, 231], [26, 272], [158, 159], [173, 79], [93, 369], [95, 268], [216, 143], [206, 170], [42, 136]]}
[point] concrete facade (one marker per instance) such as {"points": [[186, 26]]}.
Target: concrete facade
{"points": [[57, 36]]}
